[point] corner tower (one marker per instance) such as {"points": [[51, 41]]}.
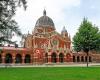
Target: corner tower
{"points": [[64, 32]]}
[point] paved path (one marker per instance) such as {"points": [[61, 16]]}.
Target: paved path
{"points": [[52, 65]]}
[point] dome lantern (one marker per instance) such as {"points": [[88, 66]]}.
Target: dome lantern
{"points": [[64, 32], [44, 12]]}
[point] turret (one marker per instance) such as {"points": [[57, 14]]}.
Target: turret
{"points": [[69, 37], [64, 32]]}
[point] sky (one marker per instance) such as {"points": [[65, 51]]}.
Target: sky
{"points": [[68, 13]]}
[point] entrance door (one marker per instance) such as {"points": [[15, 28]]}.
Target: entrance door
{"points": [[27, 58], [61, 58], [53, 58], [18, 58], [8, 58]]}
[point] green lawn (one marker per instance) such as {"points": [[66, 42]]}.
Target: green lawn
{"points": [[50, 73]]}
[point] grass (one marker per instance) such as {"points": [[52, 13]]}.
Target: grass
{"points": [[50, 73]]}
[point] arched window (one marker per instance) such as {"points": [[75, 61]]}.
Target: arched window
{"points": [[27, 58], [53, 58], [82, 59], [8, 58], [61, 57], [74, 59], [85, 58], [78, 59], [90, 60], [18, 58]]}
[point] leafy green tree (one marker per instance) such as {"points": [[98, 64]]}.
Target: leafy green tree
{"points": [[87, 38], [7, 23]]}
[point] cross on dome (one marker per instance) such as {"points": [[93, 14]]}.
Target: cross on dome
{"points": [[44, 12]]}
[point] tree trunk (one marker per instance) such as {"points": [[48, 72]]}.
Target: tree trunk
{"points": [[87, 59]]}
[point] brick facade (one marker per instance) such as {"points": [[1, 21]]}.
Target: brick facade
{"points": [[44, 45]]}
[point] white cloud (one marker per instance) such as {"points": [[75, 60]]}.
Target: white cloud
{"points": [[27, 19], [55, 10], [61, 11]]}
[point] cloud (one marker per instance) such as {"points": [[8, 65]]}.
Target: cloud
{"points": [[55, 10], [68, 13]]}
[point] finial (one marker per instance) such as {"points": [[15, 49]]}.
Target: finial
{"points": [[64, 28], [44, 12], [28, 32]]}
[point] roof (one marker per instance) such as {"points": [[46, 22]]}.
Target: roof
{"points": [[12, 48], [44, 21]]}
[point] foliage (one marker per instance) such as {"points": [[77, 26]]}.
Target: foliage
{"points": [[87, 38], [7, 23]]}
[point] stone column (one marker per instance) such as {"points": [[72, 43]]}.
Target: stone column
{"points": [[65, 59], [49, 58], [13, 59], [36, 59], [31, 60], [71, 58], [3, 59], [84, 58], [75, 58], [57, 58], [23, 58]]}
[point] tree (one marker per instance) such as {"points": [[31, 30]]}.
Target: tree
{"points": [[87, 38], [7, 23]]}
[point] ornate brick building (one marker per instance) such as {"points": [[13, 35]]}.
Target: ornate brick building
{"points": [[44, 45]]}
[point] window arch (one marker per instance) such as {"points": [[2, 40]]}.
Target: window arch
{"points": [[90, 60], [27, 58], [18, 58], [82, 59], [53, 57], [61, 57], [85, 58], [8, 58], [74, 59], [78, 59]]}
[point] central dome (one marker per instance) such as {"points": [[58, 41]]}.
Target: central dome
{"points": [[45, 21]]}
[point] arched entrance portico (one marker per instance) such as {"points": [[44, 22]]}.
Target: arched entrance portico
{"points": [[8, 58], [82, 58], [18, 58], [90, 59], [85, 58], [61, 58], [74, 59], [27, 58], [53, 58], [78, 59]]}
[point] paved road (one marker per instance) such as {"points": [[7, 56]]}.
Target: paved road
{"points": [[51, 65]]}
